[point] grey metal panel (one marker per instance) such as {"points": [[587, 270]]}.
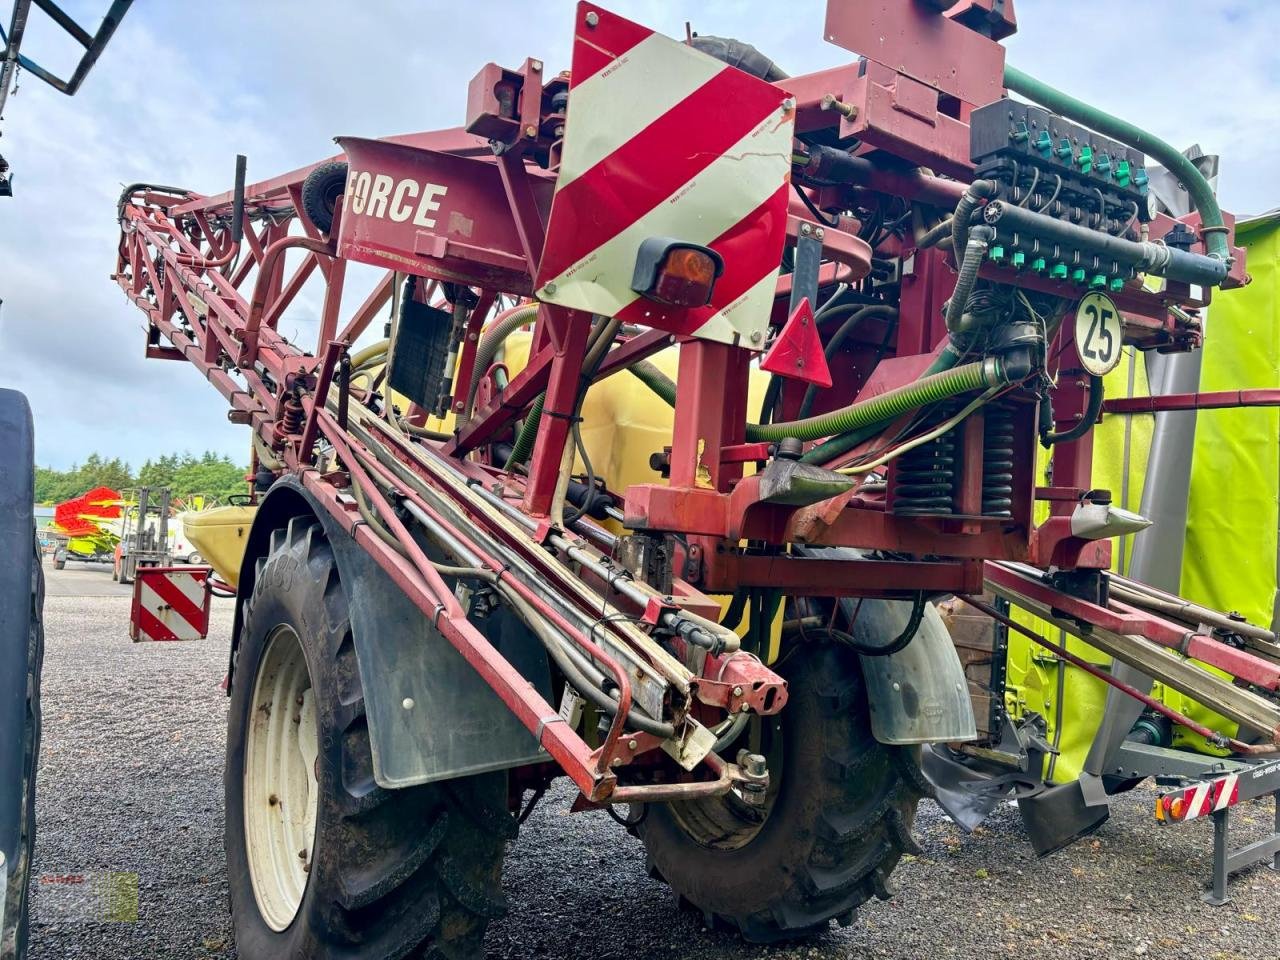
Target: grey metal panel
{"points": [[1144, 760]]}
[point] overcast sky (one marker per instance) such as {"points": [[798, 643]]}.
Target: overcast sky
{"points": [[185, 86]]}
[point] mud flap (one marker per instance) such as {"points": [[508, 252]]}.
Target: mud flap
{"points": [[1064, 813], [918, 695], [431, 716], [967, 796]]}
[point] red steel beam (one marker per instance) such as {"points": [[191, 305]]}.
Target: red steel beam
{"points": [[1213, 400], [1124, 619]]}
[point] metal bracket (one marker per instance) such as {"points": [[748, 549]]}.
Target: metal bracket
{"points": [[804, 277], [1227, 861]]}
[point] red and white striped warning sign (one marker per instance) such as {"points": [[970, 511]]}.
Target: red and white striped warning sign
{"points": [[170, 603], [664, 141]]}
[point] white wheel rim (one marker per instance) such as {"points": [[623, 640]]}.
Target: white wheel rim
{"points": [[280, 788]]}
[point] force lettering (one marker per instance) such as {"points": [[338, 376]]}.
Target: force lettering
{"points": [[377, 195]]}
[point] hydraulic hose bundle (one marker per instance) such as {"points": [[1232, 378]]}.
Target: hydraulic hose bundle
{"points": [[942, 381]]}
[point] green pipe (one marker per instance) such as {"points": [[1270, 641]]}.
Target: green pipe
{"points": [[838, 446], [491, 340], [941, 380], [886, 406], [1173, 159], [597, 346], [655, 380], [528, 434]]}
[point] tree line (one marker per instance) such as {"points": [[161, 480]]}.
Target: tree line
{"points": [[209, 475]]}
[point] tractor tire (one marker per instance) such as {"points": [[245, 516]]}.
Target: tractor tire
{"points": [[320, 192], [21, 658], [323, 862], [837, 817]]}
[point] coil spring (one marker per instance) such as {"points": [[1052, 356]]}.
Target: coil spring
{"points": [[997, 461], [291, 416], [925, 479]]}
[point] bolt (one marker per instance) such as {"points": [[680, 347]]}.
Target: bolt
{"points": [[819, 233], [737, 691], [631, 744], [788, 104], [593, 18], [744, 708], [829, 102], [549, 289], [805, 229], [754, 764], [535, 65], [407, 703], [897, 685], [615, 762], [756, 336], [273, 800], [531, 131], [302, 854]]}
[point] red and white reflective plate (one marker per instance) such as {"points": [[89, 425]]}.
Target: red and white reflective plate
{"points": [[664, 141], [170, 603], [1206, 797]]}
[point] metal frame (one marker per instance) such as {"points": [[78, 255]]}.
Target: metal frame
{"points": [[1215, 797], [11, 58]]}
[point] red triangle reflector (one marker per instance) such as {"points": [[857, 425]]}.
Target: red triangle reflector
{"points": [[797, 352]]}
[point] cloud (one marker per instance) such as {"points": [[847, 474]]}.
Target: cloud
{"points": [[183, 87]]}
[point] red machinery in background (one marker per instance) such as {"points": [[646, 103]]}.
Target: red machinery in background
{"points": [[935, 277]]}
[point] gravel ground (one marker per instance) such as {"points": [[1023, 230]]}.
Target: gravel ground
{"points": [[131, 781]]}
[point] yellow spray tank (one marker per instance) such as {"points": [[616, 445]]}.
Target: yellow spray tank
{"points": [[219, 535]]}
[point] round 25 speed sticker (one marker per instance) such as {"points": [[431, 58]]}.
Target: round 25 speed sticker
{"points": [[1099, 332]]}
